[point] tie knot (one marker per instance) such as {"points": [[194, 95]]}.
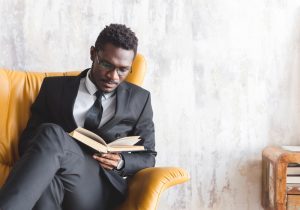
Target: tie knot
{"points": [[99, 94]]}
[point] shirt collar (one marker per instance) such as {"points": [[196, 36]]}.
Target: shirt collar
{"points": [[92, 89]]}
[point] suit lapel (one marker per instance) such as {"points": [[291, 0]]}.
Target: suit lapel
{"points": [[69, 95], [122, 99]]}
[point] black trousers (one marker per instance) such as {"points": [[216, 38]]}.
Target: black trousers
{"points": [[57, 173]]}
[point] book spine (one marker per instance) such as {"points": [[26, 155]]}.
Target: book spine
{"points": [[293, 179], [293, 170]]}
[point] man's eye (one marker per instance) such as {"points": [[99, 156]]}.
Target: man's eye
{"points": [[124, 70]]}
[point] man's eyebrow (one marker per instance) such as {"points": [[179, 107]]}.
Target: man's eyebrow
{"points": [[113, 64], [106, 61]]}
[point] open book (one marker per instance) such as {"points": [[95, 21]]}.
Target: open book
{"points": [[96, 142]]}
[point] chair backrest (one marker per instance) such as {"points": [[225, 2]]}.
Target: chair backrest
{"points": [[18, 90]]}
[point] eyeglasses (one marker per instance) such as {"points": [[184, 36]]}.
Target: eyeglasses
{"points": [[106, 66]]}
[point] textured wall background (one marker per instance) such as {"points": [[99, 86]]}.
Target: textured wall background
{"points": [[224, 77]]}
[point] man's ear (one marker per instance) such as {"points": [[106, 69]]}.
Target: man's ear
{"points": [[92, 53]]}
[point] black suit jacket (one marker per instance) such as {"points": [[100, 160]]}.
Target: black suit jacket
{"points": [[133, 116]]}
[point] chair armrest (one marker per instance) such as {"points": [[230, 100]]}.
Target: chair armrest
{"points": [[146, 187]]}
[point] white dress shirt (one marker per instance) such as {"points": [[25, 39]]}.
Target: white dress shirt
{"points": [[86, 98]]}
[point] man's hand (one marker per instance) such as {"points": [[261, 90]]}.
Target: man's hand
{"points": [[108, 161]]}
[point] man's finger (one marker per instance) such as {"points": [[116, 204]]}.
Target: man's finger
{"points": [[112, 156], [106, 161], [106, 166]]}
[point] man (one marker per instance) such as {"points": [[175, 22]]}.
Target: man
{"points": [[55, 171]]}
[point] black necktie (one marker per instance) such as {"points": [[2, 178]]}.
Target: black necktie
{"points": [[94, 114]]}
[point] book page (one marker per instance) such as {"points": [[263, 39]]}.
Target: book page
{"points": [[91, 135], [88, 141], [125, 141], [125, 148]]}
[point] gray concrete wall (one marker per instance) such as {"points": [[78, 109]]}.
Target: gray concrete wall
{"points": [[224, 77]]}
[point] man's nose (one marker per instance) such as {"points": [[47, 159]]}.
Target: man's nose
{"points": [[113, 74]]}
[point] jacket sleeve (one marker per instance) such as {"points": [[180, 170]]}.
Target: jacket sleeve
{"points": [[38, 116], [144, 127]]}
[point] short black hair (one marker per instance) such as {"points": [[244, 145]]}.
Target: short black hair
{"points": [[119, 35]]}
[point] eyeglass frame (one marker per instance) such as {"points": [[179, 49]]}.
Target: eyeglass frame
{"points": [[106, 66]]}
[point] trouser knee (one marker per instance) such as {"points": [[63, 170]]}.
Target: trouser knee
{"points": [[51, 136]]}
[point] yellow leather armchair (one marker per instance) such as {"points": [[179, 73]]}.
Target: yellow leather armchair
{"points": [[18, 90]]}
